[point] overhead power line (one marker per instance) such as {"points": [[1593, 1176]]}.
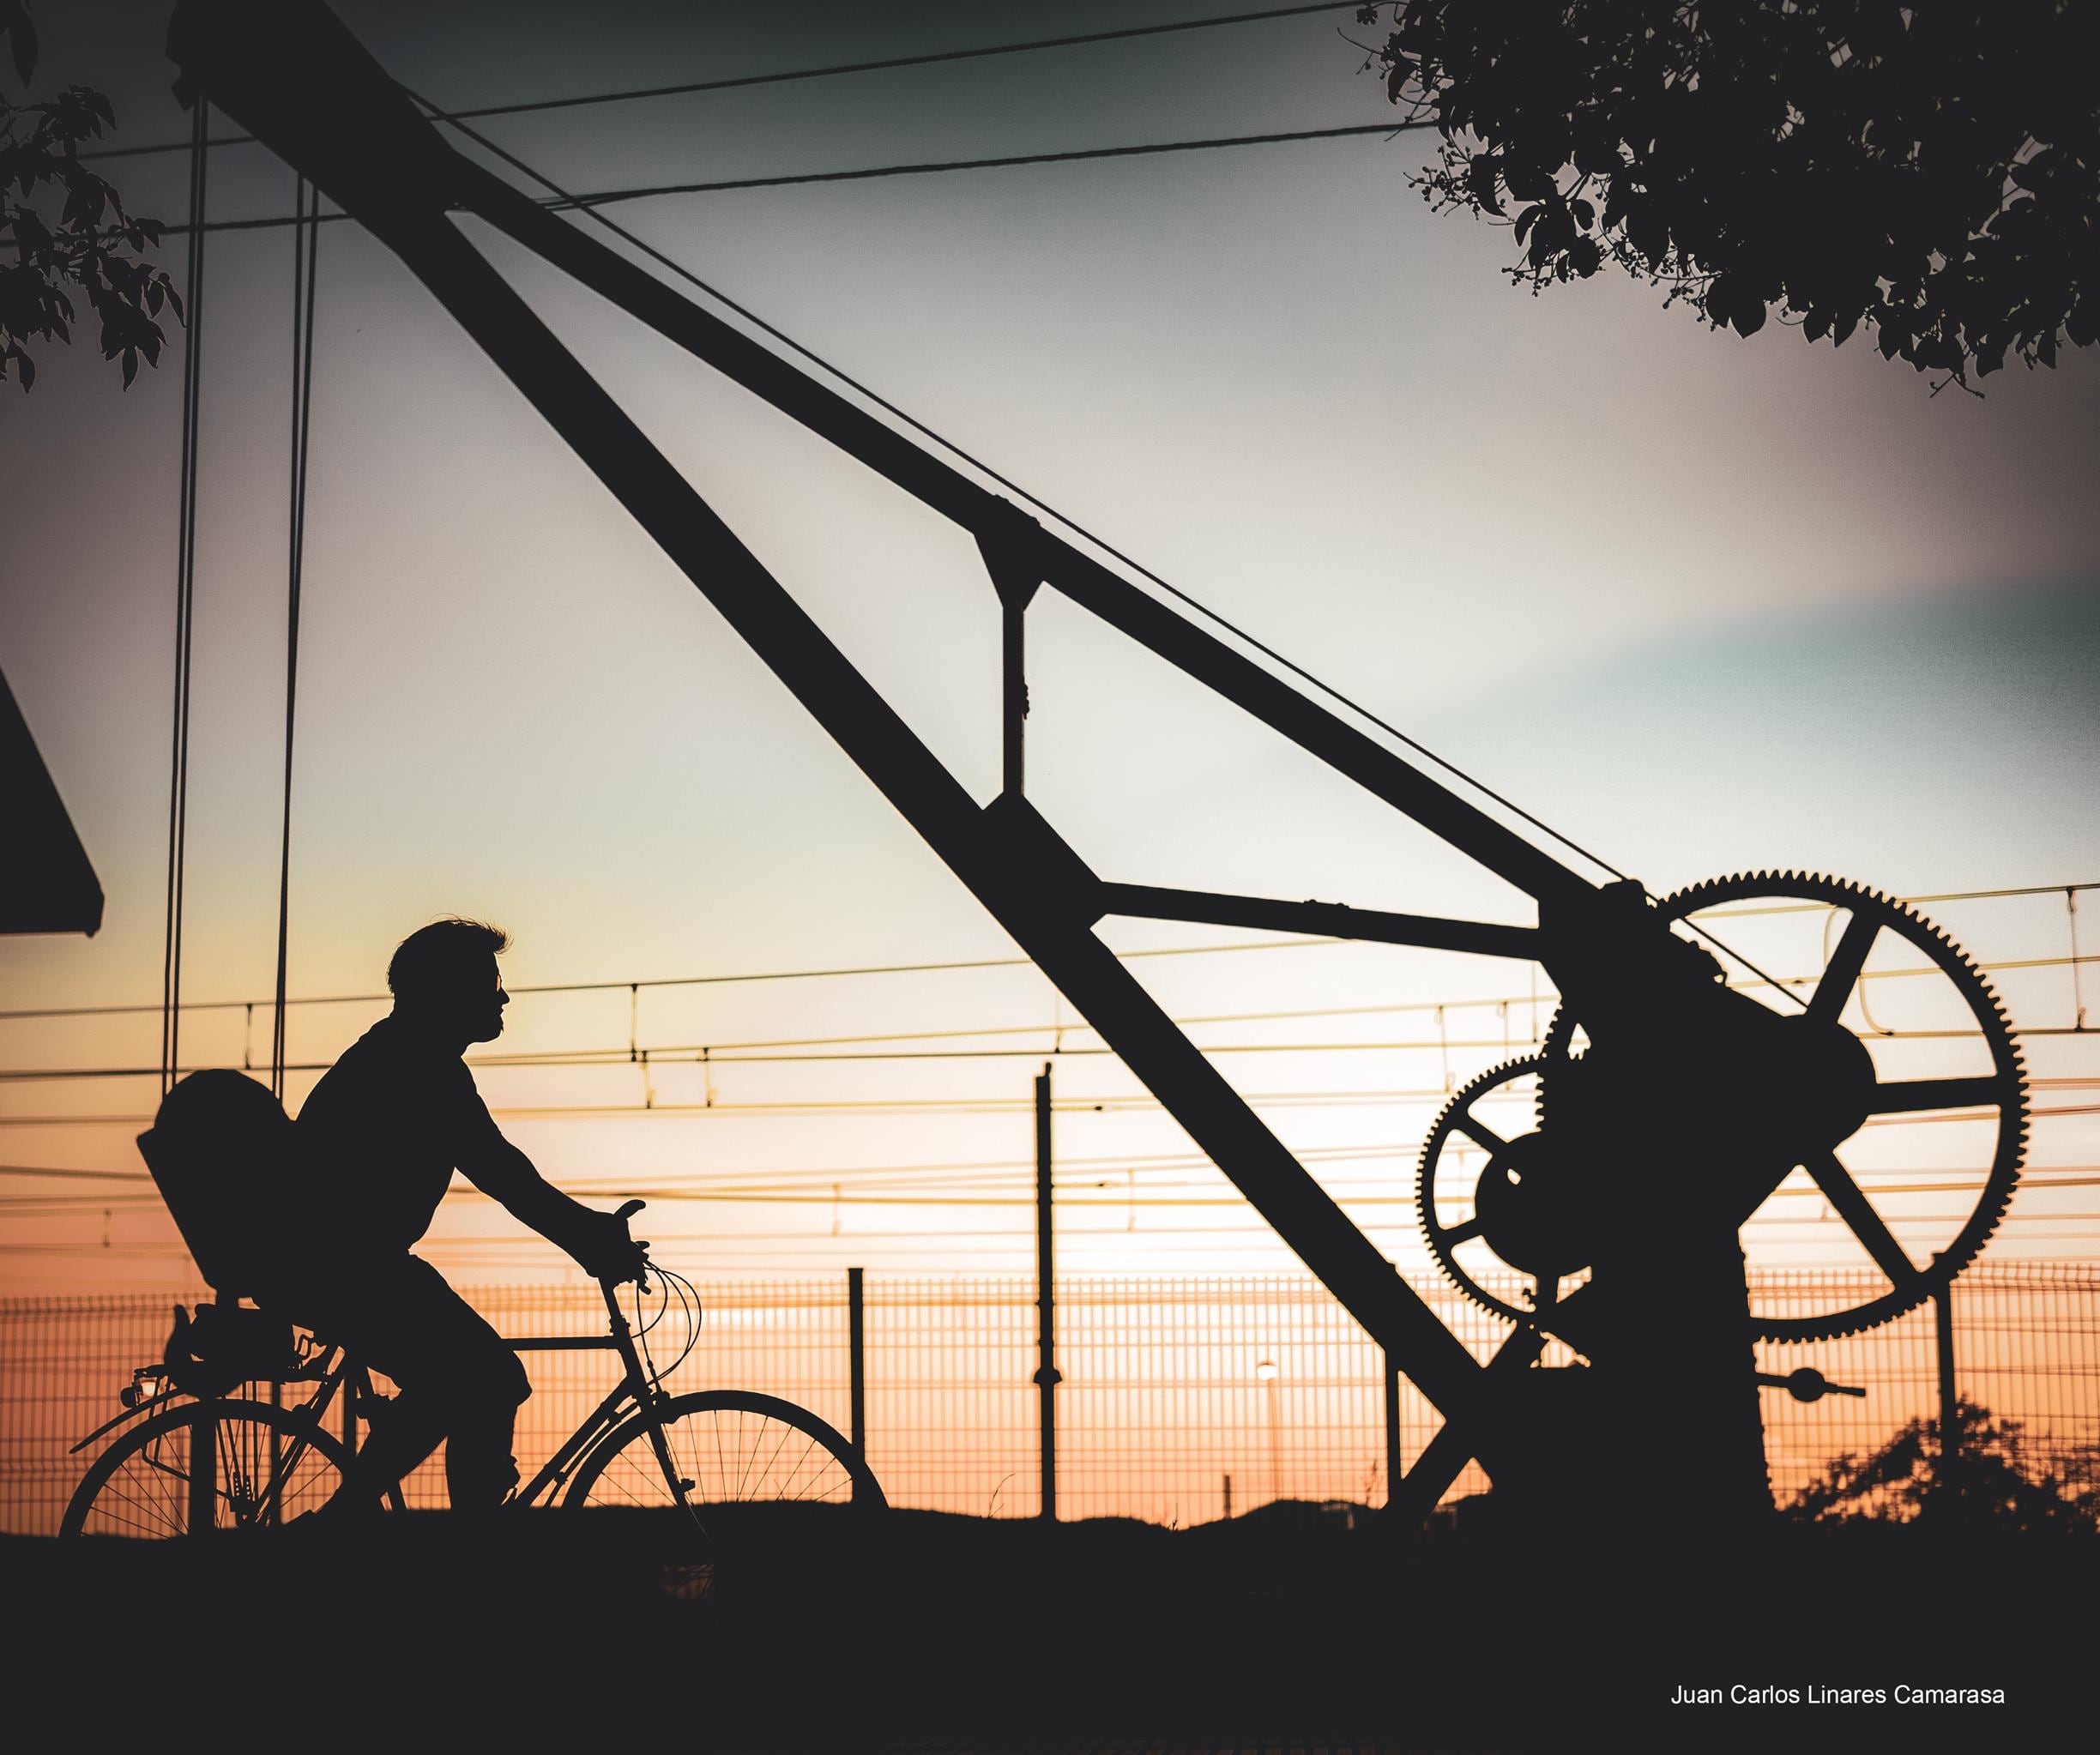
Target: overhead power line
{"points": [[606, 198], [1510, 1002], [742, 82], [896, 968]]}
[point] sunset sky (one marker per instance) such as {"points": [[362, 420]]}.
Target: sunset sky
{"points": [[1701, 603]]}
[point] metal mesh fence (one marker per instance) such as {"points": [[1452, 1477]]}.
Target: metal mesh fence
{"points": [[1182, 1398]]}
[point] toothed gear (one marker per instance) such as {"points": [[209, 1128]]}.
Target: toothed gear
{"points": [[1435, 1233], [2008, 1076]]}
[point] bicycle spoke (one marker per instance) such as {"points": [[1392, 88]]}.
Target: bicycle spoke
{"points": [[732, 1453], [149, 1483]]}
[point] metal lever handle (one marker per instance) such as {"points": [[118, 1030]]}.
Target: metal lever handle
{"points": [[1807, 1384]]}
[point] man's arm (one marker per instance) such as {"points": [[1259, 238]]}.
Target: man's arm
{"points": [[597, 1240]]}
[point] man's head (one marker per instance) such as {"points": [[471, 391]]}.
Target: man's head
{"points": [[443, 977]]}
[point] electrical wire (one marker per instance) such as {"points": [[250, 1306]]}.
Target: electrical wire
{"points": [[593, 202], [607, 1060], [874, 1107], [606, 197], [743, 81], [907, 969], [32, 1013]]}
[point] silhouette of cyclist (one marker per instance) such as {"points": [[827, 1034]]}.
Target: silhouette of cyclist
{"points": [[380, 1136]]}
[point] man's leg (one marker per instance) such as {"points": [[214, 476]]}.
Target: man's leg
{"points": [[453, 1373], [481, 1384]]}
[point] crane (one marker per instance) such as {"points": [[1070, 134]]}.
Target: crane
{"points": [[1673, 1099]]}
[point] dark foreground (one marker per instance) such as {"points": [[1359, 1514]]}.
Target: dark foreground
{"points": [[1285, 1630]]}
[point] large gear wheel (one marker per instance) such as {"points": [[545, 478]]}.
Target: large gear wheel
{"points": [[1868, 915], [1523, 1215]]}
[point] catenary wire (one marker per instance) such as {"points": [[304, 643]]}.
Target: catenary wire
{"points": [[864, 173], [788, 76]]}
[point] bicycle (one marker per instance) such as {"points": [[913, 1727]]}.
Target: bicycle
{"points": [[218, 1462]]}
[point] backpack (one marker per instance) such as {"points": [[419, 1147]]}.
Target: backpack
{"points": [[221, 1152], [219, 1345]]}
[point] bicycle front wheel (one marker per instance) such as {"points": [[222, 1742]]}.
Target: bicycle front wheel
{"points": [[204, 1466], [727, 1447]]}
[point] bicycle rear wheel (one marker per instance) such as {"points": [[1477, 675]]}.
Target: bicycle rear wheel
{"points": [[729, 1447], [207, 1466]]}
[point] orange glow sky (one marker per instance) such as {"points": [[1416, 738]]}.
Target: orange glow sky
{"points": [[1704, 603]]}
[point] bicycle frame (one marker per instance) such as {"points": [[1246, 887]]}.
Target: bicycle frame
{"points": [[337, 1372], [638, 1390]]}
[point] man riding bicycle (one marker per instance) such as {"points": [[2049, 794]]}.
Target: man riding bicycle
{"points": [[380, 1138]]}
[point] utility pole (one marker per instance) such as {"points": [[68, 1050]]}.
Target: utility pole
{"points": [[1047, 1373]]}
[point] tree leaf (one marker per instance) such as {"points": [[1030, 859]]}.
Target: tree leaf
{"points": [[1481, 184], [1798, 158], [1528, 182]]}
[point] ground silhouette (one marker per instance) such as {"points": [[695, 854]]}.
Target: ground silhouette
{"points": [[1286, 1625]]}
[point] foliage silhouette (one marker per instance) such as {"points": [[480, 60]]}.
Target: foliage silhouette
{"points": [[1933, 173], [1997, 1477], [92, 242]]}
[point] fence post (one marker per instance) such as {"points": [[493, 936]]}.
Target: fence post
{"points": [[1392, 1429], [1950, 1420], [856, 1351], [1047, 1373]]}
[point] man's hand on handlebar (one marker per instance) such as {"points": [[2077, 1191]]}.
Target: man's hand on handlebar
{"points": [[612, 1254]]}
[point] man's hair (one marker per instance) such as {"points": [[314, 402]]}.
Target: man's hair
{"points": [[443, 956]]}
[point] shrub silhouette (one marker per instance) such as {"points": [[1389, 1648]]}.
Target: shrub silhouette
{"points": [[1998, 1477]]}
